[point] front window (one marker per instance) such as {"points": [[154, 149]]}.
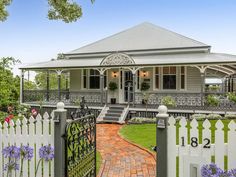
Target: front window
{"points": [[94, 79], [169, 78]]}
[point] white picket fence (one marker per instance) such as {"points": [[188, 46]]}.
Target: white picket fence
{"points": [[33, 132], [192, 156]]}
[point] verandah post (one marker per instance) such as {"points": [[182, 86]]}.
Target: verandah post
{"points": [[60, 116], [161, 142]]}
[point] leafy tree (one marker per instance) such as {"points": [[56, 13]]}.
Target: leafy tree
{"points": [[41, 81], [65, 10], [10, 85]]}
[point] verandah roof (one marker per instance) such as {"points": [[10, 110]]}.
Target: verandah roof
{"points": [[147, 60]]}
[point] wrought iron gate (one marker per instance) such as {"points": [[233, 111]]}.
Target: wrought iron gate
{"points": [[80, 140]]}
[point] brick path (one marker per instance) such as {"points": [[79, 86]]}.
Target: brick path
{"points": [[121, 159]]}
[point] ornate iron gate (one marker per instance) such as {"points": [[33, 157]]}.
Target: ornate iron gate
{"points": [[80, 140]]}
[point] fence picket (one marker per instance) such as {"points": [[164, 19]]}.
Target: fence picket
{"points": [[46, 140], [206, 135], [231, 145], [38, 143], [219, 144], [171, 147], [183, 148], [24, 129], [194, 138], [31, 139], [1, 157]]}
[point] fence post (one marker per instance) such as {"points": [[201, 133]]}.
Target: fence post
{"points": [[60, 116], [161, 141]]}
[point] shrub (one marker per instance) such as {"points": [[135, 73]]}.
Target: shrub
{"points": [[231, 97], [142, 120], [168, 101], [230, 116], [198, 117], [212, 100], [214, 88], [113, 86], [145, 86]]}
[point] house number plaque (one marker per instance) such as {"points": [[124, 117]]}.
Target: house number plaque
{"points": [[194, 142]]}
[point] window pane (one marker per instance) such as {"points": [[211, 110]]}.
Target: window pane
{"points": [[182, 70], [138, 79], [85, 82], [157, 81], [94, 82], [165, 70], [182, 82], [169, 82], [157, 70], [172, 70]]}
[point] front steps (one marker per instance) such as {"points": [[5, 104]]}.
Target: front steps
{"points": [[113, 114]]}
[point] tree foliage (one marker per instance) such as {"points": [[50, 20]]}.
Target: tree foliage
{"points": [[41, 81], [9, 85], [65, 10]]}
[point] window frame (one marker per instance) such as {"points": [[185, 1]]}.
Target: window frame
{"points": [[154, 78], [93, 76], [176, 77]]}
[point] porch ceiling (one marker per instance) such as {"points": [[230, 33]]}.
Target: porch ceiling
{"points": [[224, 62]]}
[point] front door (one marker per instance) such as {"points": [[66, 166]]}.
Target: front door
{"points": [[128, 86]]}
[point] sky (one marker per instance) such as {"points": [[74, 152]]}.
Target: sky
{"points": [[29, 36]]}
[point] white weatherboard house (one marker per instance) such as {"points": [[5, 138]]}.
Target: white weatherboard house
{"points": [[170, 63]]}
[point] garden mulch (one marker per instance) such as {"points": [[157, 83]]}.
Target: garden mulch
{"points": [[119, 157]]}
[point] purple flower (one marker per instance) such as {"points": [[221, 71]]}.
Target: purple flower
{"points": [[212, 170], [27, 152], [232, 173], [46, 152], [11, 166], [11, 152]]}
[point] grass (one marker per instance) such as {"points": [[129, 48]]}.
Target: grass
{"points": [[98, 161], [144, 134]]}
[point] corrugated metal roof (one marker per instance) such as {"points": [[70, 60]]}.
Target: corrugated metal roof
{"points": [[145, 36], [168, 59]]}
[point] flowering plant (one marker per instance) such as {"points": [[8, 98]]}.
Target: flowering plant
{"points": [[14, 154], [9, 118], [212, 170]]}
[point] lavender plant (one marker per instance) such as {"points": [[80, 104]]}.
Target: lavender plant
{"points": [[212, 170]]}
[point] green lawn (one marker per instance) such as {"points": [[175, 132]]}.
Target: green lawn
{"points": [[98, 161], [145, 134], [142, 134]]}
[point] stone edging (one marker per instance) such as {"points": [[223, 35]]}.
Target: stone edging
{"points": [[136, 145]]}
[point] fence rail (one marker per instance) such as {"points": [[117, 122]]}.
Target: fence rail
{"points": [[34, 132]]}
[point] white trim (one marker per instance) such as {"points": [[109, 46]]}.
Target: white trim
{"points": [[154, 78]]}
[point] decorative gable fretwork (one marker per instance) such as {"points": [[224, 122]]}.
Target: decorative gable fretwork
{"points": [[117, 59]]}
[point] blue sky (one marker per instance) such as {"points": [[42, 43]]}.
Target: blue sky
{"points": [[29, 36]]}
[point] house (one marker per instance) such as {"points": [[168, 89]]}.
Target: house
{"points": [[146, 54]]}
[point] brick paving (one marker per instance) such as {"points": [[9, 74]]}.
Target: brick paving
{"points": [[120, 158]]}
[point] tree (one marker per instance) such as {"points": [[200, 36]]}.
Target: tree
{"points": [[9, 85], [40, 80], [65, 10]]}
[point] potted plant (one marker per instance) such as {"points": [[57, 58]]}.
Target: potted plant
{"points": [[144, 87], [168, 101], [113, 87]]}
